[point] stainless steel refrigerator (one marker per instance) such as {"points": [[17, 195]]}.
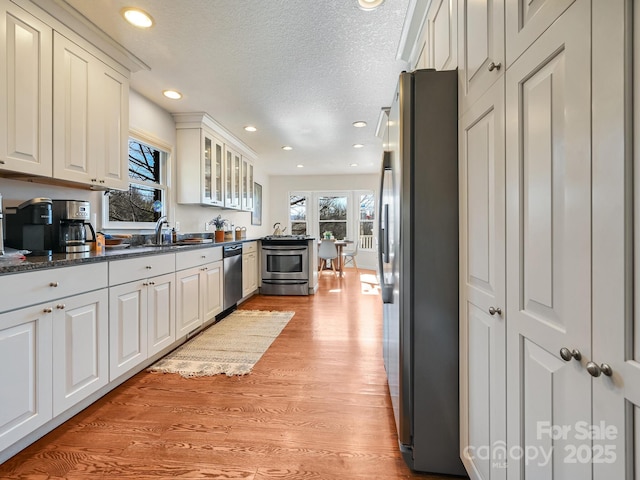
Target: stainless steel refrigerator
{"points": [[418, 257]]}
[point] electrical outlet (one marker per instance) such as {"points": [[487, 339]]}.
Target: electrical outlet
{"points": [[177, 226], [206, 226]]}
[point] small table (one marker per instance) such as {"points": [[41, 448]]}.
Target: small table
{"points": [[339, 246]]}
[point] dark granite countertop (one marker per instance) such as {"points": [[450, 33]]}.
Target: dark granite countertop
{"points": [[10, 264]]}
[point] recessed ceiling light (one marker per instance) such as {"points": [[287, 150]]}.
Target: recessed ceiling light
{"points": [[353, 165], [172, 94], [369, 4], [357, 145], [287, 147], [136, 17], [360, 124], [250, 128], [300, 165]]}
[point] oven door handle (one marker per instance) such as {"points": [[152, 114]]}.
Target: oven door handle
{"points": [[285, 282], [285, 249]]}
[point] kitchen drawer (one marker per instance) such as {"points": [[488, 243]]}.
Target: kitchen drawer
{"points": [[123, 271], [193, 258], [24, 289], [248, 247]]}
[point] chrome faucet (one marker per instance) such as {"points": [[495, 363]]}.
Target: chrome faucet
{"points": [[158, 230]]}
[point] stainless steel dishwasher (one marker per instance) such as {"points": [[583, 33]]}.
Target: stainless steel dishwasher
{"points": [[232, 261]]}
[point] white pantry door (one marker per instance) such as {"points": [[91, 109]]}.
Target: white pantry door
{"points": [[616, 241], [548, 171], [483, 309]]}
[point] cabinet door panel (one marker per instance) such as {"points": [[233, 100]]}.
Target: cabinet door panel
{"points": [[109, 138], [482, 170], [188, 301], [616, 237], [213, 297], [127, 327], [526, 20], [81, 338], [26, 100], [555, 396], [25, 372], [549, 229], [480, 42], [442, 28], [161, 311], [71, 78]]}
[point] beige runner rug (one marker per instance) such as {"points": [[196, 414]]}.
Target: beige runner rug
{"points": [[232, 346]]}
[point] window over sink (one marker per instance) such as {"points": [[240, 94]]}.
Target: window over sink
{"points": [[146, 200]]}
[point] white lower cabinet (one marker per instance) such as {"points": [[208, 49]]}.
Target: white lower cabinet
{"points": [[81, 353], [249, 268], [26, 342], [161, 311], [142, 321], [199, 296], [199, 288], [141, 311]]}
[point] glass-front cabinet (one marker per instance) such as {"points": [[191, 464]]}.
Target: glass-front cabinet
{"points": [[212, 167], [232, 178], [247, 185]]}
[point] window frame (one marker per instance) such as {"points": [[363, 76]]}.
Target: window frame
{"points": [[353, 211], [164, 186], [308, 200]]}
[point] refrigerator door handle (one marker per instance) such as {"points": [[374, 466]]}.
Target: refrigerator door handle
{"points": [[383, 232]]}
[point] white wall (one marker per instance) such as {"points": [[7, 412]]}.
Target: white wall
{"points": [[281, 185], [153, 121]]}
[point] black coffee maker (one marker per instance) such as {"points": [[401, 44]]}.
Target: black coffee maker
{"points": [[29, 226]]}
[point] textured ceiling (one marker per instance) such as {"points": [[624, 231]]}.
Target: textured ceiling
{"points": [[301, 71]]}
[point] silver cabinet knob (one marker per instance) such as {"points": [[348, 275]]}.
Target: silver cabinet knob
{"points": [[54, 284], [567, 354], [152, 283], [61, 306], [48, 310], [595, 370], [494, 310], [494, 66]]}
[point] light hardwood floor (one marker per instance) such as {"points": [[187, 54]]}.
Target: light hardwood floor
{"points": [[315, 407]]}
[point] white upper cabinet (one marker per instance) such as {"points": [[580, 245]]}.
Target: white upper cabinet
{"points": [[233, 166], [26, 100], [480, 47], [200, 163], [526, 20], [208, 157], [91, 125], [442, 28], [247, 185]]}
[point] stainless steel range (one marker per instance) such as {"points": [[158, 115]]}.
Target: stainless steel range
{"points": [[289, 265]]}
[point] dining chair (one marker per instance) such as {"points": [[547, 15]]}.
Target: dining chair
{"points": [[350, 256], [328, 251]]}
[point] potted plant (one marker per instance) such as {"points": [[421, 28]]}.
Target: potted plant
{"points": [[218, 222]]}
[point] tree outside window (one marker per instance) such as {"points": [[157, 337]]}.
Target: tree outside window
{"points": [[144, 201], [367, 217], [333, 215], [298, 214]]}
